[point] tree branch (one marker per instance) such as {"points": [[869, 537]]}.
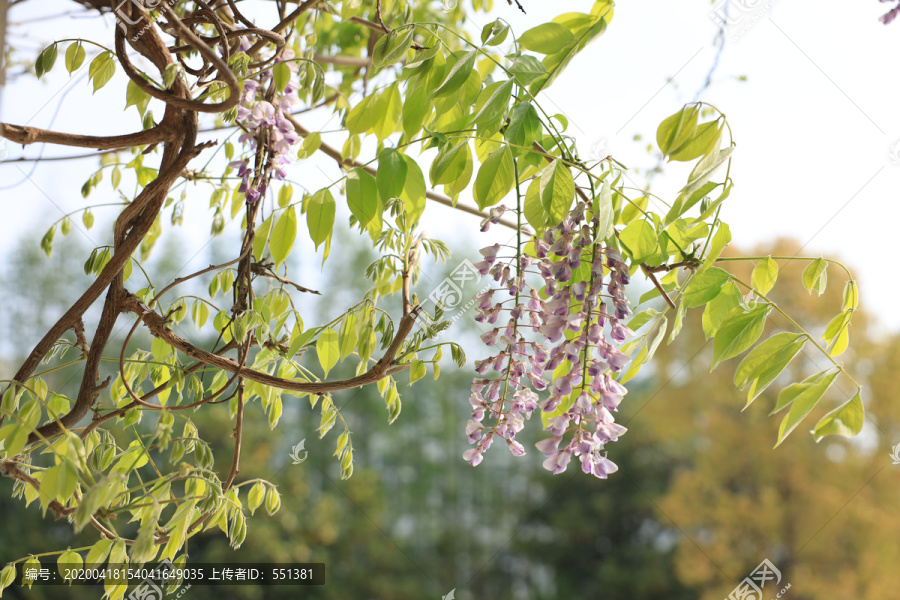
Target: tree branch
{"points": [[33, 135], [385, 367], [265, 270]]}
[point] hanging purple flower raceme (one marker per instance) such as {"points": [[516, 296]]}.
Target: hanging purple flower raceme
{"points": [[574, 319], [261, 113]]}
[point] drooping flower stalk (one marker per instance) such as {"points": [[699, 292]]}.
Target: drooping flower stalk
{"points": [[576, 320], [267, 131]]}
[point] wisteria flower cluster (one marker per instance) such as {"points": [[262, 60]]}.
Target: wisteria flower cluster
{"points": [[261, 114], [574, 321]]}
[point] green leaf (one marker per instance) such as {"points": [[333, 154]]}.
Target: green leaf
{"points": [[98, 496], [492, 102], [74, 57], [362, 195], [557, 192], [286, 193], [320, 216], [47, 241], [524, 126], [327, 350], [416, 371], [535, 213], [802, 397], [391, 174], [704, 140], [718, 309], [585, 28], [837, 333], [273, 501], [361, 117], [765, 362], [285, 232], [449, 164], [705, 286], [738, 333], [547, 38], [847, 420], [415, 109], [679, 322], [102, 68], [387, 112], [349, 337], [495, 178], [33, 562], [45, 60], [7, 577], [684, 202], [457, 75], [69, 562], [414, 190], [705, 169], [493, 34], [261, 237], [527, 69], [350, 8], [169, 74], [199, 313], [256, 496], [676, 132], [135, 96], [98, 553], [720, 240], [851, 296], [815, 276], [281, 73], [14, 438], [640, 240], [764, 275], [392, 47], [642, 318]]}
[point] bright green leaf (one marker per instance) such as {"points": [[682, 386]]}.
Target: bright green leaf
{"points": [[557, 192], [327, 350], [815, 276], [640, 240], [847, 420], [495, 178], [764, 275], [285, 232], [738, 333], [320, 216], [362, 195], [705, 286], [547, 38], [802, 397]]}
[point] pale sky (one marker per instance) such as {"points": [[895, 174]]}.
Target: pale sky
{"points": [[815, 122]]}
